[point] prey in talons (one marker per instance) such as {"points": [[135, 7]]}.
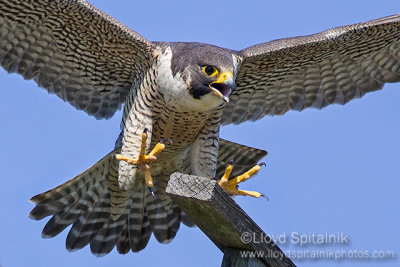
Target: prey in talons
{"points": [[231, 186], [143, 161]]}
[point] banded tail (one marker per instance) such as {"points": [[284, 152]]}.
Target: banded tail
{"points": [[104, 215]]}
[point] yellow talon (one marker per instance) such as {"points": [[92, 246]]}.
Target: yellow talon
{"points": [[129, 160], [228, 170], [230, 185], [142, 151], [245, 176], [144, 161], [157, 149], [147, 176]]}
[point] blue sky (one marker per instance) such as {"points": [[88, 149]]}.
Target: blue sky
{"points": [[330, 171]]}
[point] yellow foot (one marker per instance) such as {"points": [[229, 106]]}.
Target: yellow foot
{"points": [[144, 161], [230, 186]]}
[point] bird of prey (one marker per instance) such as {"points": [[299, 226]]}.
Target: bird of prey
{"points": [[179, 92]]}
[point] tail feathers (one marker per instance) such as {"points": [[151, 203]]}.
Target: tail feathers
{"points": [[123, 245], [104, 239], [70, 192], [164, 215], [186, 220], [81, 231], [112, 215], [164, 221], [139, 234], [70, 214], [103, 215], [89, 224]]}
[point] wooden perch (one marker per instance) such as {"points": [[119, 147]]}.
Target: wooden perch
{"points": [[224, 222]]}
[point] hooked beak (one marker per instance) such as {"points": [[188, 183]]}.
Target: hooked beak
{"points": [[223, 86]]}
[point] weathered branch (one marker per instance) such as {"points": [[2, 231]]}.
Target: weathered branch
{"points": [[222, 220]]}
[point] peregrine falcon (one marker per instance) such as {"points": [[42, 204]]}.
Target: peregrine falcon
{"points": [[176, 96]]}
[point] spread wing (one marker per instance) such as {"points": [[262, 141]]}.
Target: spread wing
{"points": [[334, 66], [73, 50]]}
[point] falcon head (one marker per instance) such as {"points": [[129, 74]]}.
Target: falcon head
{"points": [[201, 76]]}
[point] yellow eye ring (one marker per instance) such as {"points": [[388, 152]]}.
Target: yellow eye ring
{"points": [[210, 71]]}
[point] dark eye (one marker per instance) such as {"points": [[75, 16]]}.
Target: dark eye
{"points": [[210, 70]]}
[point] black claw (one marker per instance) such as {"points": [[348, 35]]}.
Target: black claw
{"points": [[166, 140], [114, 156], [261, 164], [264, 196], [151, 191], [145, 130], [231, 161]]}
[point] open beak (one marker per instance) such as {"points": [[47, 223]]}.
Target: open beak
{"points": [[224, 85]]}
